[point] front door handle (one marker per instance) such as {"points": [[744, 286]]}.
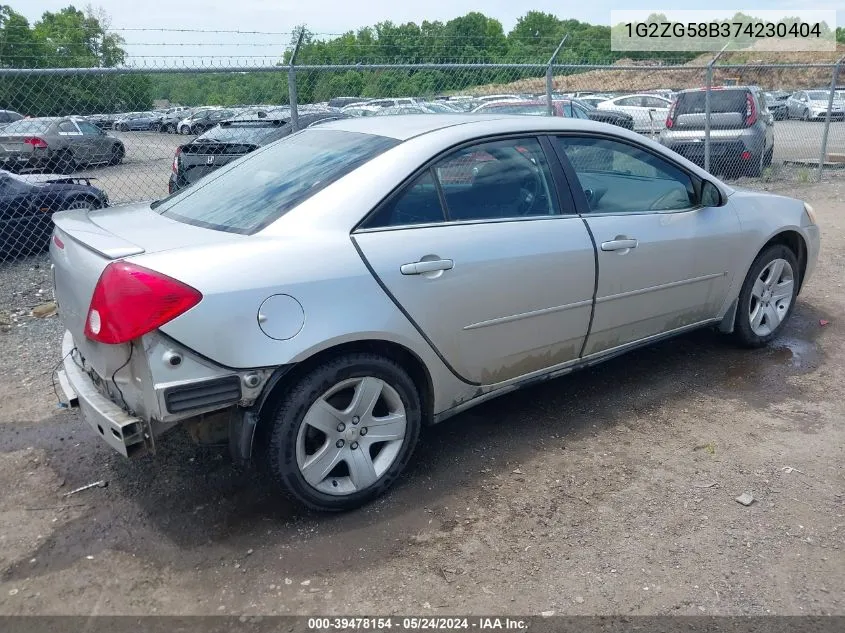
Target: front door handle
{"points": [[422, 267], [619, 244]]}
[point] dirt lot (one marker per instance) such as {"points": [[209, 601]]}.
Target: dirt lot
{"points": [[609, 491]]}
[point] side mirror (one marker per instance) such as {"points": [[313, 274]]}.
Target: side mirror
{"points": [[710, 195]]}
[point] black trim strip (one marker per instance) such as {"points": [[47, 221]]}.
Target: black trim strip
{"points": [[579, 199], [408, 316]]}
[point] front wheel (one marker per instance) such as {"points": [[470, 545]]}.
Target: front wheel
{"points": [[767, 296], [344, 432]]}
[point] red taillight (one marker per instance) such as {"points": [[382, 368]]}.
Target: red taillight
{"points": [[750, 111], [131, 300], [59, 243], [40, 143], [175, 167], [746, 155], [670, 117]]}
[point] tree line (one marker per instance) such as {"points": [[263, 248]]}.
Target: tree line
{"points": [[68, 38], [71, 38]]}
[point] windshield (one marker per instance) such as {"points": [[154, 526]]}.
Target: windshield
{"points": [[242, 133], [257, 189], [818, 95], [27, 126]]}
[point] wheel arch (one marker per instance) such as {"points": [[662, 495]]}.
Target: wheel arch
{"points": [[788, 237], [287, 375], [795, 242]]}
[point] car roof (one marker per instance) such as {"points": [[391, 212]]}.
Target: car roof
{"points": [[413, 125]]}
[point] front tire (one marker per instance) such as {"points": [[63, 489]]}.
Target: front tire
{"points": [[343, 432], [767, 297]]}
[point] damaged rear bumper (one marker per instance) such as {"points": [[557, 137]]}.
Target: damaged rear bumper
{"points": [[123, 432]]}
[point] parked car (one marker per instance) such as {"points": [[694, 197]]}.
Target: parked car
{"points": [[27, 206], [8, 116], [742, 138], [103, 121], [341, 102], [204, 120], [649, 111], [561, 107], [59, 144], [357, 111], [321, 257], [621, 119], [777, 102], [416, 108], [503, 97], [810, 105], [593, 100], [138, 121], [230, 140]]}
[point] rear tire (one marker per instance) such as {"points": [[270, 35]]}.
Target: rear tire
{"points": [[805, 116], [767, 297], [767, 158], [64, 163], [117, 154], [356, 398]]}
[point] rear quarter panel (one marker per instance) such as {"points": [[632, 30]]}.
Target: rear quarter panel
{"points": [[340, 299]]}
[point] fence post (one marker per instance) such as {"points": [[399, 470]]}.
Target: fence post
{"points": [[294, 115], [550, 78], [707, 93], [826, 131]]}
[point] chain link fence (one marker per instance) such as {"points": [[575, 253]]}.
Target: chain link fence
{"points": [[107, 136]]}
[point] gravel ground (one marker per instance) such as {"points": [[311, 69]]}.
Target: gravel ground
{"points": [[610, 491]]}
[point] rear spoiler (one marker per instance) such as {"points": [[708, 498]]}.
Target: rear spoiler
{"points": [[71, 180]]}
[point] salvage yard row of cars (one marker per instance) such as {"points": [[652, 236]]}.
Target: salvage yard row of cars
{"points": [[741, 138]]}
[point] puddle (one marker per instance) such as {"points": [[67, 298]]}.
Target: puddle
{"points": [[797, 353]]}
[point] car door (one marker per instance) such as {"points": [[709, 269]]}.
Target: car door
{"points": [[664, 261], [82, 148], [100, 143], [488, 259], [630, 105], [658, 110]]}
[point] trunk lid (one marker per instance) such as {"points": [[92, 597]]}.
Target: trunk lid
{"points": [[718, 121], [89, 241]]}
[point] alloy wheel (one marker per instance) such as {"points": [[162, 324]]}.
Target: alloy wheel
{"points": [[350, 436], [771, 297]]}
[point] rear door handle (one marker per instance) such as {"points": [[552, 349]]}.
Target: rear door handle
{"points": [[422, 267], [619, 244]]}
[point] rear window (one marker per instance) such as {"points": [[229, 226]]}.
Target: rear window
{"points": [[720, 101], [254, 191], [255, 134], [818, 95], [27, 126]]}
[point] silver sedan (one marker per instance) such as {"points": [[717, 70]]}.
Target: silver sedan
{"points": [[318, 301]]}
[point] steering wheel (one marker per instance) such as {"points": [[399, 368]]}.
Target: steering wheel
{"points": [[529, 192]]}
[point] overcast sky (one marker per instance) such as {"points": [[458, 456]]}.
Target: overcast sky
{"points": [[331, 16]]}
